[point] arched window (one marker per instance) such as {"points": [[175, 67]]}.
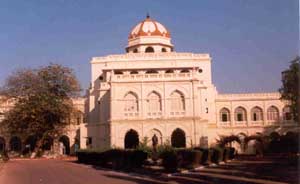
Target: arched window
{"points": [[131, 103], [178, 138], [134, 72], [256, 114], [169, 71], [149, 49], [164, 50], [287, 113], [151, 71], [118, 72], [273, 113], [240, 114], [154, 104], [131, 139], [224, 115], [135, 51], [185, 71], [177, 102]]}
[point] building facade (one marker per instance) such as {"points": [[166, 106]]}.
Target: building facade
{"points": [[153, 90]]}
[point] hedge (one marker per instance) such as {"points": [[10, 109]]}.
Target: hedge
{"points": [[169, 160], [116, 158], [217, 155], [172, 158], [206, 155], [189, 158]]}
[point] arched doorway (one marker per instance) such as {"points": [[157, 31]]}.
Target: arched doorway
{"points": [[30, 144], [15, 144], [2, 144], [178, 138], [64, 145], [131, 139], [47, 143]]}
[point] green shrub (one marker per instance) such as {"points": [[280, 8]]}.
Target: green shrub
{"points": [[162, 148], [169, 160], [189, 158], [217, 154], [116, 158], [139, 157], [226, 154], [231, 153], [143, 146], [4, 156], [205, 155]]}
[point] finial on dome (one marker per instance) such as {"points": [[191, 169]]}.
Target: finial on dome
{"points": [[148, 15]]}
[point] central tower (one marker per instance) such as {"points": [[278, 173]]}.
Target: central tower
{"points": [[149, 36]]}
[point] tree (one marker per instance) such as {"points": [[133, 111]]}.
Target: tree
{"points": [[42, 102], [290, 87]]}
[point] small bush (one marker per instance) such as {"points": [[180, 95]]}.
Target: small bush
{"points": [[231, 153], [189, 158], [217, 154], [226, 154], [138, 157], [4, 156], [169, 160], [116, 158], [205, 156]]}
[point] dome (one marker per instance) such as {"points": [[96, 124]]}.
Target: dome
{"points": [[149, 27], [149, 36]]}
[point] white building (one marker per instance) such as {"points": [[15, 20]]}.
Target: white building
{"points": [[151, 89]]}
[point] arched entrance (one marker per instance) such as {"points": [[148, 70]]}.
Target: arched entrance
{"points": [[2, 144], [15, 144], [131, 139], [30, 144], [178, 138], [47, 143], [64, 145]]}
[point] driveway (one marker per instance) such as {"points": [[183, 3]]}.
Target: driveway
{"points": [[245, 171], [63, 172]]}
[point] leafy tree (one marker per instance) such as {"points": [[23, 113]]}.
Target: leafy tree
{"points": [[42, 99], [290, 87]]}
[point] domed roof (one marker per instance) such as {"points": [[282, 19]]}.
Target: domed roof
{"points": [[149, 27]]}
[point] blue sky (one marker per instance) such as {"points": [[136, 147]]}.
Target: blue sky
{"points": [[250, 41]]}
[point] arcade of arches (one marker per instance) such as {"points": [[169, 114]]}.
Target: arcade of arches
{"points": [[15, 144]]}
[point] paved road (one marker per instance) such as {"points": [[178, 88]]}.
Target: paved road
{"points": [[62, 172], [255, 171]]}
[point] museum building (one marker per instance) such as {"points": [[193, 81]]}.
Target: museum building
{"points": [[153, 90]]}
